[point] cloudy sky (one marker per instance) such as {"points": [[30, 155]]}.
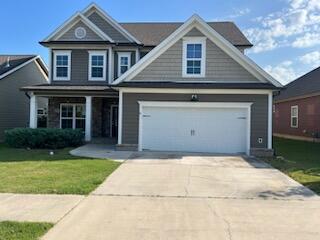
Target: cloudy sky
{"points": [[286, 33]]}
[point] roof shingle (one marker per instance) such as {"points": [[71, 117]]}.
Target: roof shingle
{"points": [[14, 61], [151, 34], [306, 84]]}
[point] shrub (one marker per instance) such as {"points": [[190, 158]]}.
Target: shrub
{"points": [[50, 138]]}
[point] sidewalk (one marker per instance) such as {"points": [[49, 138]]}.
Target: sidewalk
{"points": [[36, 207]]}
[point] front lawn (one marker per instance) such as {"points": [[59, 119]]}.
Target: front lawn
{"points": [[35, 171], [23, 230], [301, 161]]}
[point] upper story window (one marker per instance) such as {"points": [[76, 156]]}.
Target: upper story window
{"points": [[194, 57], [294, 116], [97, 65], [62, 65], [124, 62]]}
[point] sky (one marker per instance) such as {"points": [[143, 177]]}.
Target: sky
{"points": [[285, 33]]}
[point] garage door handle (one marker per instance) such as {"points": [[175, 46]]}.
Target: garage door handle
{"points": [[144, 115], [192, 132], [242, 118]]}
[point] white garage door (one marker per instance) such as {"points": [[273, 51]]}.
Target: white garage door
{"points": [[193, 128]]}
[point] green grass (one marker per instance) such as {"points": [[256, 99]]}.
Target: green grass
{"points": [[301, 161], [35, 171], [23, 230]]}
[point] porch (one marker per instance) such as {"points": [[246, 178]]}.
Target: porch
{"points": [[95, 110]]}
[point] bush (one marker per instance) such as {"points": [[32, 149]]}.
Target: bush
{"points": [[49, 138]]}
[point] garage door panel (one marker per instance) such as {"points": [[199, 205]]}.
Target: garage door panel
{"points": [[221, 130]]}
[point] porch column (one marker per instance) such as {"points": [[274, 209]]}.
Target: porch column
{"points": [[270, 104], [88, 118], [33, 121]]}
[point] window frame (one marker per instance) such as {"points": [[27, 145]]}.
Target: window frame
{"points": [[292, 117], [123, 54], [61, 53], [194, 40], [104, 66], [74, 116]]}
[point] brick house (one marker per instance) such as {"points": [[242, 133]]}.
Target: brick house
{"points": [[297, 108]]}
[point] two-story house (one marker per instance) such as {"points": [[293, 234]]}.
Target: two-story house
{"points": [[157, 86]]}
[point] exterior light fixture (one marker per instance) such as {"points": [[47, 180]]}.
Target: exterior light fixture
{"points": [[194, 98]]}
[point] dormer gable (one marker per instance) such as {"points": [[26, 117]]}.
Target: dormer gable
{"points": [[78, 28], [108, 25]]}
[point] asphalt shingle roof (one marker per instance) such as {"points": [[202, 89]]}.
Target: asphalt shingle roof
{"points": [[14, 61], [306, 84], [151, 34]]}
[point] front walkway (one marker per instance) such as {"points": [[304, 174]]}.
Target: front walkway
{"points": [[104, 151], [186, 197], [36, 207]]}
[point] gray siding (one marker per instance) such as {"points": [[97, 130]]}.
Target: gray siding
{"points": [[259, 112], [133, 61], [107, 28], [219, 65], [14, 104], [70, 36], [80, 68]]}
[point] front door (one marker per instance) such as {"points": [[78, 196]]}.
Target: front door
{"points": [[114, 121]]}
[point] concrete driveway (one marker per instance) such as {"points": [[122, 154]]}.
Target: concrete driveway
{"points": [[177, 196]]}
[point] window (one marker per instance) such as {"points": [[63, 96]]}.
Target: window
{"points": [[62, 60], [97, 65], [194, 55], [124, 62], [294, 116], [72, 116]]}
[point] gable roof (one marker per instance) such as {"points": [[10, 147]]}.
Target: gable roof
{"points": [[143, 33], [71, 22], [304, 85], [214, 36], [18, 61], [110, 20], [152, 34]]}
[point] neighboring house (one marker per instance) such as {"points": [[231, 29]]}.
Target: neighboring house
{"points": [[17, 71], [297, 108], [157, 86]]}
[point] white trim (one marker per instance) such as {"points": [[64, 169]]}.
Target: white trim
{"points": [[194, 91], [245, 105], [22, 65], [74, 118], [202, 26], [97, 53], [291, 116], [111, 117], [137, 55], [270, 106], [110, 65], [50, 65], [120, 116], [71, 22], [33, 116], [194, 40], [88, 118], [44, 74], [123, 54], [58, 53], [110, 20]]}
